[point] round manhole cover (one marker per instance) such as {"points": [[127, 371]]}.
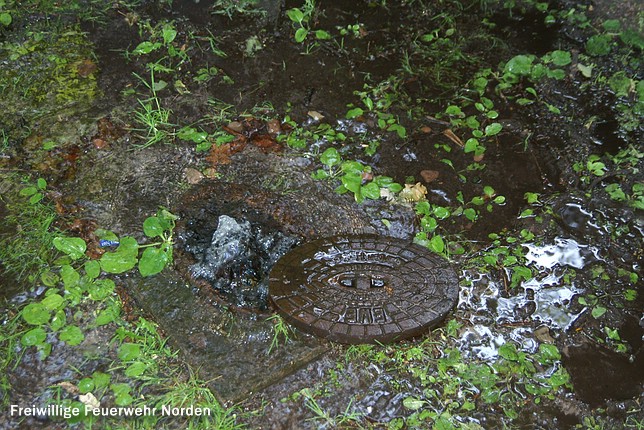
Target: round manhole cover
{"points": [[363, 289]]}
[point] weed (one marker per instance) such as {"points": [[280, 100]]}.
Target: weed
{"points": [[152, 116], [25, 252], [281, 329], [231, 8]]}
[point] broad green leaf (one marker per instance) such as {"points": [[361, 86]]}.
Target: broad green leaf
{"points": [[146, 47], [560, 58], [598, 311], [352, 168], [71, 335], [101, 380], [493, 129], [352, 182], [152, 261], [107, 316], [41, 184], [58, 321], [33, 337], [70, 276], [322, 35], [73, 246], [413, 403], [371, 191], [135, 369], [35, 314], [5, 19], [49, 278], [508, 351], [519, 65], [152, 227], [437, 244], [129, 351], [53, 301], [86, 385], [599, 44], [301, 34], [28, 191], [101, 288], [123, 259], [169, 34], [330, 157], [355, 112], [295, 15], [92, 269]]}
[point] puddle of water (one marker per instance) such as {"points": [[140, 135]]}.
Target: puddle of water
{"points": [[564, 252]]}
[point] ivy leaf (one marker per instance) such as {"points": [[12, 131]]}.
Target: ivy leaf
{"points": [[330, 157], [53, 301], [437, 244], [413, 403], [354, 113], [73, 246]]}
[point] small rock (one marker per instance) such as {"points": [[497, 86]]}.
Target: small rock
{"points": [[317, 116], [99, 143], [236, 126], [193, 176], [429, 175], [426, 129], [478, 158]]}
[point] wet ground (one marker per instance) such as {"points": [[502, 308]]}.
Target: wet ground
{"points": [[267, 106]]}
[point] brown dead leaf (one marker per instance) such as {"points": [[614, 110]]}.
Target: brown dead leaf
{"points": [[69, 387], [273, 127], [219, 154], [85, 68], [426, 129]]}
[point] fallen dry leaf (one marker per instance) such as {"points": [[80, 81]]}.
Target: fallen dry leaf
{"points": [[454, 138], [429, 175]]}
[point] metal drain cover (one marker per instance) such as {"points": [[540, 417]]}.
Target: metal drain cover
{"points": [[363, 289]]}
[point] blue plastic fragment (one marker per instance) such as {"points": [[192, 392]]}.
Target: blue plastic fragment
{"points": [[104, 243]]}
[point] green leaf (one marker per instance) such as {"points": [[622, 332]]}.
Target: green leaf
{"points": [[72, 335], [352, 182], [441, 212], [73, 246], [471, 144], [92, 269], [135, 369], [5, 19], [41, 184], [49, 278], [123, 259], [508, 351], [413, 403], [152, 261], [146, 47], [355, 112], [152, 227], [301, 34], [548, 354], [129, 351], [519, 65], [28, 191], [561, 58], [437, 244], [107, 315], [86, 385], [488, 191], [58, 321], [295, 15], [70, 276], [599, 44], [322, 35], [101, 288], [35, 314], [36, 198], [169, 34], [330, 157], [493, 129], [53, 301], [371, 191], [34, 337], [598, 311]]}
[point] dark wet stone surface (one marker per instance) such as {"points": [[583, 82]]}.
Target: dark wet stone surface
{"points": [[363, 289]]}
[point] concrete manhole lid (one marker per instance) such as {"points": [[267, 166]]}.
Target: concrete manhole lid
{"points": [[363, 289]]}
